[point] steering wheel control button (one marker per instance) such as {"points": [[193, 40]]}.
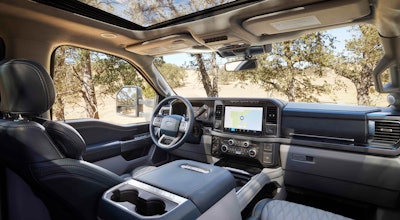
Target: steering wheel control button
{"points": [[157, 121], [182, 126]]}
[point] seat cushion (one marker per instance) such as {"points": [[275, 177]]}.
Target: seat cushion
{"points": [[283, 210]]}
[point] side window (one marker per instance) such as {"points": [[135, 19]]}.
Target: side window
{"points": [[91, 84]]}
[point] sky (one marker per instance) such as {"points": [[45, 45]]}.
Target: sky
{"points": [[341, 34]]}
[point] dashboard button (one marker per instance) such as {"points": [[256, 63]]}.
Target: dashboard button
{"points": [[224, 148], [268, 147], [267, 157]]}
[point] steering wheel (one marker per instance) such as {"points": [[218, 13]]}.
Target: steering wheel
{"points": [[171, 131]]}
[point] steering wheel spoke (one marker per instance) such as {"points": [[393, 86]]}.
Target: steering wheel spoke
{"points": [[169, 140]]}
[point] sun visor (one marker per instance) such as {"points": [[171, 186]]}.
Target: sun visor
{"points": [[307, 17], [166, 45]]}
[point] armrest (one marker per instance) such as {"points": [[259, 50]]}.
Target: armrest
{"points": [[257, 182]]}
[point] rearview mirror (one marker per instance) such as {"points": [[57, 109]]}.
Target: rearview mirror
{"points": [[241, 65], [129, 101]]}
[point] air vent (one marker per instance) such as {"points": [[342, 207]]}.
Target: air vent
{"points": [[218, 112], [387, 132], [215, 39], [272, 115]]}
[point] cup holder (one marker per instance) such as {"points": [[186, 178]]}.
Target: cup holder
{"points": [[145, 207], [150, 207]]}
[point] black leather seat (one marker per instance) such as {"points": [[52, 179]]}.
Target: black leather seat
{"points": [[46, 154]]}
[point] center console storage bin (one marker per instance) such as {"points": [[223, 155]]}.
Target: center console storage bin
{"points": [[181, 189], [201, 183]]}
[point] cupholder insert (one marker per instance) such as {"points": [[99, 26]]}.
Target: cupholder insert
{"points": [[145, 207], [130, 195], [150, 207]]}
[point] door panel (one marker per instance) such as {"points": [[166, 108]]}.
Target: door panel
{"points": [[118, 148]]}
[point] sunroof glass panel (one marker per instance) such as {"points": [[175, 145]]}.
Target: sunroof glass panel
{"points": [[150, 12]]}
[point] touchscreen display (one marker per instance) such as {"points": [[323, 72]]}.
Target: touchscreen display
{"points": [[243, 118]]}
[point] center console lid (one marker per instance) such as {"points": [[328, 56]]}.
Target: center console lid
{"points": [[203, 184]]}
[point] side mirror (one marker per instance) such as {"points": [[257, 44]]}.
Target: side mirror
{"points": [[129, 101], [241, 65]]}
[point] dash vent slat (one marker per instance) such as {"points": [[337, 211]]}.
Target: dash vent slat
{"points": [[387, 132], [272, 115], [218, 112]]}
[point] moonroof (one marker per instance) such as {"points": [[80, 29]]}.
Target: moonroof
{"points": [[147, 13]]}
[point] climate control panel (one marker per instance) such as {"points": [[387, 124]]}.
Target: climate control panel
{"points": [[263, 152]]}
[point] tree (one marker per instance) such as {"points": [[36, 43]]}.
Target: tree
{"points": [[83, 72], [206, 65], [79, 72], [151, 12], [358, 61], [292, 65], [174, 74], [67, 85]]}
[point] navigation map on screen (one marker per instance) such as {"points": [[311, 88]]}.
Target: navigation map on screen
{"points": [[243, 118]]}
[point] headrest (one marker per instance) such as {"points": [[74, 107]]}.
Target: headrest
{"points": [[66, 138], [25, 88]]}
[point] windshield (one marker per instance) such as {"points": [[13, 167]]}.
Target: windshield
{"points": [[334, 66]]}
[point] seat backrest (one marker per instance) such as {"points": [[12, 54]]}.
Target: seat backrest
{"points": [[45, 153]]}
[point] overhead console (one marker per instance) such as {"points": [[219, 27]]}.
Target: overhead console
{"points": [[246, 129], [311, 16]]}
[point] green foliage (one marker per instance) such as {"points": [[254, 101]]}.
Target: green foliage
{"points": [[79, 71], [292, 66], [112, 73], [174, 74], [225, 78], [359, 59]]}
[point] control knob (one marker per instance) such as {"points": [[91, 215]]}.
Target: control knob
{"points": [[231, 142], [224, 148], [246, 144], [252, 152]]}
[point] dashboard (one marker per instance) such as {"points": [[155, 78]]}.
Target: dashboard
{"points": [[326, 148], [252, 130], [239, 129]]}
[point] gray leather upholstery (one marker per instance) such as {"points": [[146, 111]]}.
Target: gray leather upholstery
{"points": [[282, 210], [46, 154]]}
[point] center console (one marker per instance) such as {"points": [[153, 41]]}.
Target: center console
{"points": [[181, 189], [246, 129]]}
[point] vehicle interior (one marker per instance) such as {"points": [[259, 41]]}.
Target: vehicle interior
{"points": [[188, 159]]}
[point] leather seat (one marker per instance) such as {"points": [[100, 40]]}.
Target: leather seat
{"points": [[267, 209], [45, 153]]}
